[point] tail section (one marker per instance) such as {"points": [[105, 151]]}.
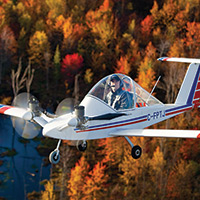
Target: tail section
{"points": [[196, 99], [189, 93]]}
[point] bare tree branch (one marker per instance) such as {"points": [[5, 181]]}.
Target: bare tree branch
{"points": [[26, 79]]}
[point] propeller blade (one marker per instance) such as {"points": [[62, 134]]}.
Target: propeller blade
{"points": [[65, 106], [24, 127]]}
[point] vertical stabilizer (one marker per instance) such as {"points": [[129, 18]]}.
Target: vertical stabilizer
{"points": [[189, 92]]}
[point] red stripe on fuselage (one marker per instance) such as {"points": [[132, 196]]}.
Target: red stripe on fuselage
{"points": [[113, 126], [178, 111]]}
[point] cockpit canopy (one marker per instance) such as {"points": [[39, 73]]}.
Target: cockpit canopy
{"points": [[129, 95]]}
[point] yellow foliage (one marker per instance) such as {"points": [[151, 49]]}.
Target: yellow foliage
{"points": [[67, 27], [56, 8], [133, 168], [77, 179], [177, 49], [131, 26], [88, 75], [48, 193], [101, 23], [157, 163], [38, 44], [6, 100], [2, 16]]}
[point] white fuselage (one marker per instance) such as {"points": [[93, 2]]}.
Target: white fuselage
{"points": [[138, 118]]}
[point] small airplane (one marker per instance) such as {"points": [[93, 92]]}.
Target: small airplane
{"points": [[106, 112]]}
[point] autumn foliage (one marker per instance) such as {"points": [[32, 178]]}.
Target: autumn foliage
{"points": [[89, 40], [71, 66]]}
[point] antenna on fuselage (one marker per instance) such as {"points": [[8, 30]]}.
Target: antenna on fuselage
{"points": [[153, 88]]}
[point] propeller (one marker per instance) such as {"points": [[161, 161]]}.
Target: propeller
{"points": [[65, 106], [26, 129]]}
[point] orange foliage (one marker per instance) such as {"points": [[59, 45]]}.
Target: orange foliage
{"points": [[95, 183], [177, 49], [113, 149], [60, 20], [192, 39], [190, 149], [77, 179], [67, 27], [105, 6], [2, 16], [123, 66], [181, 18], [146, 77]]}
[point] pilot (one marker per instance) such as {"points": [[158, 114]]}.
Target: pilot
{"points": [[117, 98]]}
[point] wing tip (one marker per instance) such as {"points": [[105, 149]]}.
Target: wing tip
{"points": [[163, 58], [3, 108], [198, 136]]}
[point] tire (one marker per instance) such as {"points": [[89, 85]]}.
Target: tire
{"points": [[82, 146], [54, 158], [136, 152]]}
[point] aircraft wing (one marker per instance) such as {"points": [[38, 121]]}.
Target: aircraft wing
{"points": [[184, 60], [25, 114], [157, 133], [16, 112]]}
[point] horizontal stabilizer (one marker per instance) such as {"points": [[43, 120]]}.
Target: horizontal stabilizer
{"points": [[157, 133], [184, 60]]}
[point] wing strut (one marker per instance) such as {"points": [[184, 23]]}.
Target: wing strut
{"points": [[129, 141]]}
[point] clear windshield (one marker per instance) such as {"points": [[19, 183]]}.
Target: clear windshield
{"points": [[121, 92]]}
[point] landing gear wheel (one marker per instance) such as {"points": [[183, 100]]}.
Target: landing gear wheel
{"points": [[81, 146], [54, 157], [136, 152]]}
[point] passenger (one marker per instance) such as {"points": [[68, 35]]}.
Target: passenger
{"points": [[117, 98]]}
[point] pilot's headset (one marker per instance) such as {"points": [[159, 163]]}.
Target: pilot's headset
{"points": [[116, 77]]}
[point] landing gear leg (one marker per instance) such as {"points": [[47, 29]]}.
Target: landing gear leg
{"points": [[54, 156], [136, 151]]}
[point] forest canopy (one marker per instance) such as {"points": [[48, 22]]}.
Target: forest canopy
{"points": [[64, 40]]}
